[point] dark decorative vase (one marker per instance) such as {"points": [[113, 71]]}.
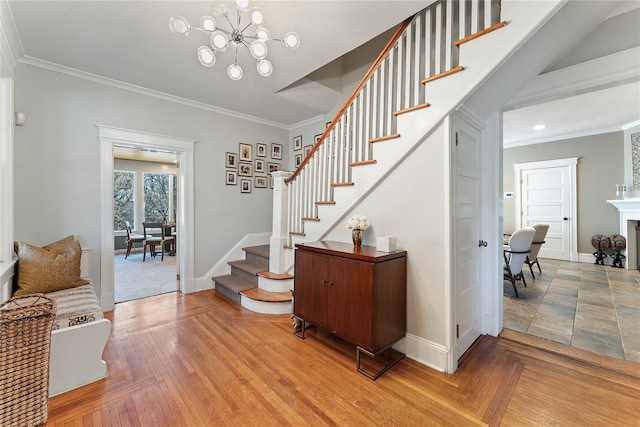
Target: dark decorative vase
{"points": [[356, 235]]}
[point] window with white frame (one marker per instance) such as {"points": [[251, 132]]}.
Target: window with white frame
{"points": [[124, 199]]}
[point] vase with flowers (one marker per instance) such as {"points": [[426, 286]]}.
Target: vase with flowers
{"points": [[357, 224]]}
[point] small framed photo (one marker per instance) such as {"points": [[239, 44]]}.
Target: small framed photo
{"points": [[261, 181], [259, 166], [245, 169], [298, 160], [231, 177], [246, 154], [231, 160], [307, 150], [276, 151], [297, 143], [245, 186], [316, 138], [261, 150], [273, 167], [273, 181]]}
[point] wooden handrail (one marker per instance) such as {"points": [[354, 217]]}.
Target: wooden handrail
{"points": [[354, 94]]}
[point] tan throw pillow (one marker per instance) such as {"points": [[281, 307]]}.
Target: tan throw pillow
{"points": [[51, 268]]}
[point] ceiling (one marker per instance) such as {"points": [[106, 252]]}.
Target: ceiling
{"points": [[130, 42]]}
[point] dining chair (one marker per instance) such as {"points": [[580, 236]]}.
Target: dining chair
{"points": [[154, 235], [132, 238], [514, 257], [536, 244]]}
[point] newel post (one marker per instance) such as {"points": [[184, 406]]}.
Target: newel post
{"points": [[280, 233]]}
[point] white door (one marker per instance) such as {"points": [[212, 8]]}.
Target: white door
{"points": [[546, 197], [467, 208]]}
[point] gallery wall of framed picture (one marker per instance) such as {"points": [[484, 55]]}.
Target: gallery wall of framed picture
{"points": [[251, 165]]}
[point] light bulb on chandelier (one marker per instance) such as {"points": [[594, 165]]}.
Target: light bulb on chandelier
{"points": [[253, 36]]}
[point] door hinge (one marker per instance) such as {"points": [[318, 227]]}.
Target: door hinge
{"points": [[457, 330], [456, 139]]}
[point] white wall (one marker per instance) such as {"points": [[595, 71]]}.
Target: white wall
{"points": [[57, 162], [409, 204]]}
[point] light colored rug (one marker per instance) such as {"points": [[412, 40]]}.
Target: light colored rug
{"points": [[134, 279]]}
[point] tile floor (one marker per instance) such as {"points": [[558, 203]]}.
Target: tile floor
{"points": [[588, 306]]}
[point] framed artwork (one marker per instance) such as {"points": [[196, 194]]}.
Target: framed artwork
{"points": [[327, 125], [298, 160], [245, 186], [276, 151], [272, 182], [307, 150], [231, 160], [273, 167], [261, 150], [245, 169], [259, 166], [246, 154], [297, 143], [316, 138], [231, 178], [261, 181]]}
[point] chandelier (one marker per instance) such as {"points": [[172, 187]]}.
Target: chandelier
{"points": [[239, 32]]}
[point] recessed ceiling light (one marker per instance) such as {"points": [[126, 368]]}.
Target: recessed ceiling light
{"points": [[539, 127]]}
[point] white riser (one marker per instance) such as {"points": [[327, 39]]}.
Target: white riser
{"points": [[266, 307], [272, 285]]}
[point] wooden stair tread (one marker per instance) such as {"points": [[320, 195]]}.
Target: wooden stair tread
{"points": [[233, 283], [481, 33], [247, 266], [297, 233], [384, 138], [275, 276], [341, 184], [443, 74], [328, 202], [258, 294], [310, 219], [362, 163], [410, 109]]}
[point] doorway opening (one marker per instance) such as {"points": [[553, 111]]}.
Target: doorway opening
{"points": [[110, 138], [145, 189]]}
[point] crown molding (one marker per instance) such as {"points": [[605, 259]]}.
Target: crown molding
{"points": [[599, 73], [515, 144], [310, 121], [10, 44], [28, 60]]}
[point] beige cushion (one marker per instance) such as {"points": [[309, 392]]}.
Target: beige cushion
{"points": [[51, 268]]}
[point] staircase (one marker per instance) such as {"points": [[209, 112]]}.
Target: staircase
{"points": [[251, 285]]}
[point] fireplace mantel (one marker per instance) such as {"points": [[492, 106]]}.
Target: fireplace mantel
{"points": [[629, 212], [627, 205]]}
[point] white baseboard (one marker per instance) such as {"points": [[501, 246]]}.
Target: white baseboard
{"points": [[424, 351]]}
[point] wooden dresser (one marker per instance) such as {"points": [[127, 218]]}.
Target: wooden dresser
{"points": [[357, 294]]}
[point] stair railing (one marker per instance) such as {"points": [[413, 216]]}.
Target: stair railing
{"points": [[424, 47]]}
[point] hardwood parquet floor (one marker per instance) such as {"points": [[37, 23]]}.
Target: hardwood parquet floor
{"points": [[201, 360]]}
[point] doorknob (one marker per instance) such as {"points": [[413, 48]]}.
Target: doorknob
{"points": [[566, 219], [482, 243]]}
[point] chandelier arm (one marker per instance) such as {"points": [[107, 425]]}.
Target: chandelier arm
{"points": [[229, 20], [248, 25]]}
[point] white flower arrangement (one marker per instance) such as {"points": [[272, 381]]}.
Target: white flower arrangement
{"points": [[358, 222]]}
